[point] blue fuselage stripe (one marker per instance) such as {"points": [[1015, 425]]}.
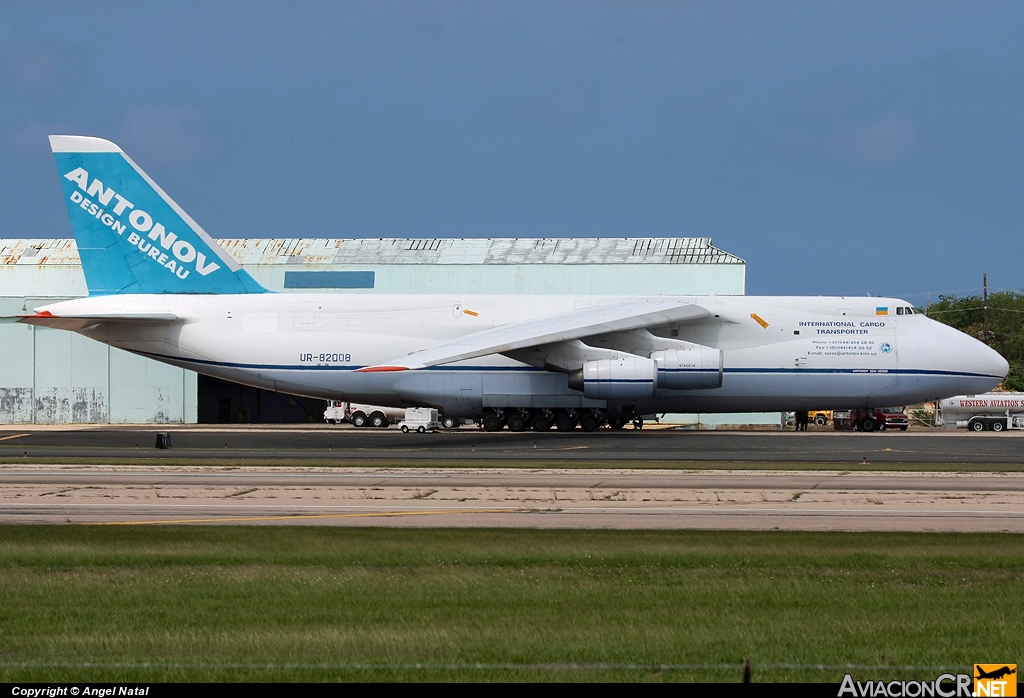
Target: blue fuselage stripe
{"points": [[738, 370]]}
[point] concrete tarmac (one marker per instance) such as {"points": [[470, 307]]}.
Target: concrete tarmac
{"points": [[666, 479], [514, 497]]}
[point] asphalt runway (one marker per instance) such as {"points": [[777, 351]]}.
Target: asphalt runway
{"points": [[326, 443]]}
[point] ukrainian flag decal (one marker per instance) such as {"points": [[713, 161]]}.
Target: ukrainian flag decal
{"points": [[882, 310]]}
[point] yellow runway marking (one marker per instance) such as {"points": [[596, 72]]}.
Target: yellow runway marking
{"points": [[12, 436], [285, 517]]}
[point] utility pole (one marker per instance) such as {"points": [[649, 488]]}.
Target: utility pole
{"points": [[984, 285]]}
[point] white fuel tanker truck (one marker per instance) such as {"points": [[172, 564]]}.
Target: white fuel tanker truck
{"points": [[991, 411]]}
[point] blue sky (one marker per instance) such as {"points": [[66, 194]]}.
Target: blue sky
{"points": [[840, 148]]}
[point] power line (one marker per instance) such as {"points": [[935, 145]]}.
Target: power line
{"points": [[971, 310]]}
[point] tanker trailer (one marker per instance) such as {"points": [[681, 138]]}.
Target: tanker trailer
{"points": [[991, 411]]}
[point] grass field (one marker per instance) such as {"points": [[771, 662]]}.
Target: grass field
{"points": [[273, 603]]}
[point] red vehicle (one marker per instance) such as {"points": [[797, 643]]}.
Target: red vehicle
{"points": [[870, 420], [879, 419]]}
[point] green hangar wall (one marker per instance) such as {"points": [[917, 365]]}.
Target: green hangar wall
{"points": [[54, 377]]}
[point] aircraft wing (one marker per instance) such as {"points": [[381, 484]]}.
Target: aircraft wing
{"points": [[586, 322], [77, 321]]}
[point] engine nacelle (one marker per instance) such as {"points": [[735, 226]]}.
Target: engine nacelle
{"points": [[693, 368], [616, 379]]}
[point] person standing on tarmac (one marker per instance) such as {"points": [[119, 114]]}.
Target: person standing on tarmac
{"points": [[801, 421]]}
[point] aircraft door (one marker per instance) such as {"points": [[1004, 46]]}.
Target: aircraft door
{"points": [[463, 393]]}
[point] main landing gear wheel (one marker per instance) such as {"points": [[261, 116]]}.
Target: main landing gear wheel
{"points": [[616, 422], [540, 423], [492, 423], [590, 423], [565, 422], [517, 422]]}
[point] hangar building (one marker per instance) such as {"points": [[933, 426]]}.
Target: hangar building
{"points": [[54, 377]]}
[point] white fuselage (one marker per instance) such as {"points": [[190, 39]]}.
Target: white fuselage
{"points": [[779, 353]]}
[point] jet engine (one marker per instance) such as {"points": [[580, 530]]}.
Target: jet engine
{"points": [[692, 368], [616, 379]]}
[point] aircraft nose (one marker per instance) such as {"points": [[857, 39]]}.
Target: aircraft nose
{"points": [[982, 368], [994, 363], [956, 363]]}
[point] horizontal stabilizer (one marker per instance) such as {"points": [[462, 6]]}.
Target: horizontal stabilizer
{"points": [[77, 321]]}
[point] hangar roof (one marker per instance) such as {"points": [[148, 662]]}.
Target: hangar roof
{"points": [[436, 251]]}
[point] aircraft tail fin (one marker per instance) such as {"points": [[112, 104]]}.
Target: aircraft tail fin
{"points": [[132, 237]]}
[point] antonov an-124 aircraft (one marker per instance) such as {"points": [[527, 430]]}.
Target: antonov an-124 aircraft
{"points": [[161, 287]]}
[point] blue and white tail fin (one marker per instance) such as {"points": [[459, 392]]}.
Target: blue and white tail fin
{"points": [[131, 236]]}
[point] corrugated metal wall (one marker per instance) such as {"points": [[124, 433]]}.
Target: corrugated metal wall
{"points": [[54, 377], [553, 266], [536, 279]]}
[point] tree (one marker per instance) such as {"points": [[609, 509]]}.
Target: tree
{"points": [[1005, 326]]}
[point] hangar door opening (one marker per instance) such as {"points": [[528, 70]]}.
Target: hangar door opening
{"points": [[221, 402]]}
